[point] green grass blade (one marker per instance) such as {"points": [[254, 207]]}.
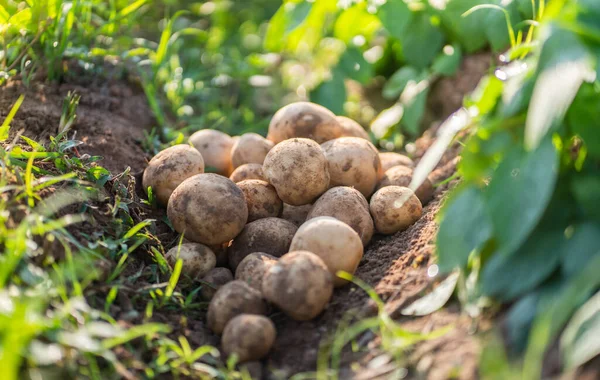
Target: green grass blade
{"points": [[5, 127], [135, 332]]}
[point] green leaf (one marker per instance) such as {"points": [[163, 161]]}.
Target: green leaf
{"points": [[470, 30], [414, 111], [448, 62], [331, 94], [579, 342], [583, 115], [395, 85], [581, 248], [435, 300], [496, 29], [354, 66], [485, 97], [5, 127], [356, 21], [395, 17], [422, 42]]}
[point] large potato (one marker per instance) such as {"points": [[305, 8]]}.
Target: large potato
{"points": [[252, 268], [391, 159], [304, 119], [208, 209], [353, 162], [351, 128], [297, 169], [333, 241], [401, 176], [197, 259], [299, 284], [169, 168], [215, 147], [268, 235], [250, 148], [349, 206], [394, 208], [231, 300], [261, 198], [213, 281], [295, 214], [248, 336], [247, 171]]}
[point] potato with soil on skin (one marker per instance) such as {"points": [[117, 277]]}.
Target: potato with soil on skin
{"points": [[215, 147], [335, 242], [261, 198], [169, 168], [250, 148], [391, 159], [394, 208], [248, 171], [401, 176], [296, 214], [267, 235], [197, 259], [249, 336], [208, 208], [351, 128], [353, 162], [252, 268], [348, 205], [213, 281], [297, 168], [304, 119], [231, 300], [299, 284]]}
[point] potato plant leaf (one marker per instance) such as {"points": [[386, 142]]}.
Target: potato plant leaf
{"points": [[579, 342], [332, 93], [395, 85], [423, 43], [395, 17]]}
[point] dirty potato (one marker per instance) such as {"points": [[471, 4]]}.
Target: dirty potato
{"points": [[401, 176], [351, 128], [250, 148], [231, 300], [252, 268], [248, 336], [261, 198], [197, 259], [247, 171], [215, 147], [213, 281], [394, 208], [391, 159], [304, 119]]}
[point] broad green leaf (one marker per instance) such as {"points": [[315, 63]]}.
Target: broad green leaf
{"points": [[448, 61], [519, 318], [579, 342], [583, 117], [470, 30], [356, 21], [395, 85], [422, 42], [354, 66], [395, 17], [4, 15], [496, 29], [276, 30], [331, 94], [414, 111], [581, 247], [485, 97]]}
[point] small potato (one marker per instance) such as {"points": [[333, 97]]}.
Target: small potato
{"points": [[304, 119], [299, 284], [249, 336], [169, 168], [261, 198], [351, 128], [252, 268], [348, 205], [394, 208], [295, 214], [297, 169], [353, 162], [268, 235], [231, 300], [391, 159], [215, 147], [250, 148], [333, 241], [198, 259], [208, 209], [401, 176], [248, 171], [213, 281]]}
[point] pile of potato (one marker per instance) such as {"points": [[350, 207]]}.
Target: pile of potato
{"points": [[278, 217]]}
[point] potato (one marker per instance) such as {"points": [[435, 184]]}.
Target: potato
{"points": [[208, 209], [215, 147], [401, 176], [252, 268], [391, 159], [248, 336], [169, 168], [394, 208], [304, 119], [231, 300], [299, 284], [250, 148], [351, 128], [295, 214], [261, 198], [353, 162], [349, 206], [297, 169], [333, 241], [213, 281], [198, 259], [248, 171], [268, 235]]}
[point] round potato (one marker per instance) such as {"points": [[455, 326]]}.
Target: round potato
{"points": [[401, 176], [351, 128], [252, 268], [391, 159], [231, 300], [248, 336], [299, 284], [208, 208], [169, 168], [197, 259], [394, 208], [348, 205], [261, 198], [213, 281], [295, 214], [353, 162], [297, 169], [250, 148], [248, 171], [333, 241], [215, 147], [268, 235], [304, 119]]}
